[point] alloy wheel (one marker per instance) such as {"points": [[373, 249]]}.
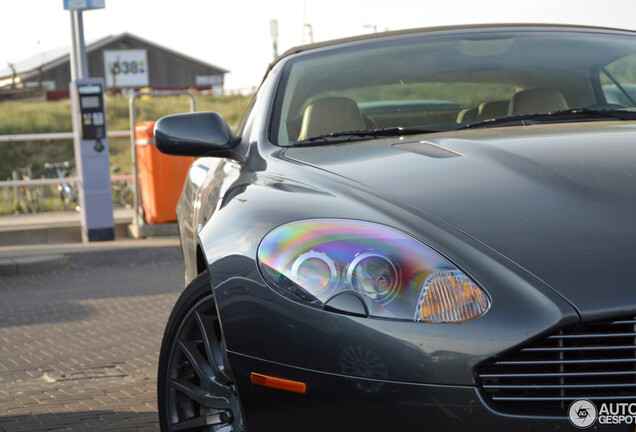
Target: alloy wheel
{"points": [[200, 393]]}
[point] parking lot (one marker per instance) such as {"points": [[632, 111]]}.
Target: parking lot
{"points": [[79, 343]]}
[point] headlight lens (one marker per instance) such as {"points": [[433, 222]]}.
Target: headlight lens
{"points": [[315, 272], [398, 277], [373, 275]]}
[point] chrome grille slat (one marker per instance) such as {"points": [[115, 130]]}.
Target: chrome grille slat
{"points": [[573, 398], [595, 361], [558, 386], [592, 348], [556, 362], [592, 335], [558, 374]]}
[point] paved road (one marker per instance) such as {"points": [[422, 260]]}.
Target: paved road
{"points": [[79, 344]]}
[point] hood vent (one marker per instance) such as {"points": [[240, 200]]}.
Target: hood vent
{"points": [[426, 148]]}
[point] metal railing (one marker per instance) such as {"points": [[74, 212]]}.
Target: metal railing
{"points": [[55, 137], [39, 182], [137, 219]]}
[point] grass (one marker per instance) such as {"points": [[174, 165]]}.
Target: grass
{"points": [[48, 117]]}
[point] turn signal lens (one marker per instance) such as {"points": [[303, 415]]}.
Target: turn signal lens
{"points": [[449, 296], [395, 276], [278, 383]]}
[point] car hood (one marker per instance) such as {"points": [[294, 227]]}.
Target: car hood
{"points": [[558, 200]]}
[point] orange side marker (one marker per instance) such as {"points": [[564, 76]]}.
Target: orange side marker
{"points": [[278, 383]]}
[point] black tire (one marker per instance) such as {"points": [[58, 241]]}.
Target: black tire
{"points": [[195, 389]]}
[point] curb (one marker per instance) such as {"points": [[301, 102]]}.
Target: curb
{"points": [[31, 264]]}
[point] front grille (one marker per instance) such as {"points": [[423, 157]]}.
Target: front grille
{"points": [[595, 361]]}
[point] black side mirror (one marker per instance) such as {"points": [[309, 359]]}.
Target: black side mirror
{"points": [[197, 134]]}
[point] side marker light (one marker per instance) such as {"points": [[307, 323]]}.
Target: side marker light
{"points": [[278, 383]]}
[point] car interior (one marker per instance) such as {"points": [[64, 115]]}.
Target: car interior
{"points": [[481, 80], [329, 114]]}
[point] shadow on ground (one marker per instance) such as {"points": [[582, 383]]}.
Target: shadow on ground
{"points": [[50, 313], [98, 420], [66, 293]]}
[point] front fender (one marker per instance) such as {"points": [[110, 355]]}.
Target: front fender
{"points": [[260, 323]]}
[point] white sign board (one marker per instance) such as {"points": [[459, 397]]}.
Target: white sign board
{"points": [[126, 68], [83, 4]]}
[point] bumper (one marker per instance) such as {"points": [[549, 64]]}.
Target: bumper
{"points": [[336, 402]]}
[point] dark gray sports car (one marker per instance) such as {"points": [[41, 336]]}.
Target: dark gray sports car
{"points": [[413, 231]]}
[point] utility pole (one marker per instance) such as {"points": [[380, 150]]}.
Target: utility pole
{"points": [[308, 31], [308, 34], [273, 30]]}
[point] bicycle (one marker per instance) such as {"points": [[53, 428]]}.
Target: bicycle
{"points": [[27, 199], [68, 191], [122, 189]]}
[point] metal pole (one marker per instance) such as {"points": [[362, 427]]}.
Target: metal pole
{"points": [[81, 46], [73, 52], [133, 150], [308, 35], [273, 29]]}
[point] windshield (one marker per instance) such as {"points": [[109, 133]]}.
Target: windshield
{"points": [[442, 81]]}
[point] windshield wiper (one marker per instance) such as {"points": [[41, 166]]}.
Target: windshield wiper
{"points": [[364, 134], [575, 114]]}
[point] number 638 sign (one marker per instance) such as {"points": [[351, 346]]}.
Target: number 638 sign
{"points": [[126, 68]]}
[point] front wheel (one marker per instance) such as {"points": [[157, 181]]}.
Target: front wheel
{"points": [[195, 387]]}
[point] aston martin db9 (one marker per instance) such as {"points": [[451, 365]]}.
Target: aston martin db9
{"points": [[425, 230]]}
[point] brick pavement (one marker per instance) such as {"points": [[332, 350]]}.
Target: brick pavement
{"points": [[101, 314]]}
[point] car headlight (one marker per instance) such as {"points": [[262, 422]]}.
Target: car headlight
{"points": [[394, 275]]}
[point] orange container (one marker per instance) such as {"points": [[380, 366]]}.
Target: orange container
{"points": [[161, 177]]}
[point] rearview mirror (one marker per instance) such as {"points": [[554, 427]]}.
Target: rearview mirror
{"points": [[197, 134]]}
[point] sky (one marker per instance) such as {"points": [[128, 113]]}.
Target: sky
{"points": [[235, 35]]}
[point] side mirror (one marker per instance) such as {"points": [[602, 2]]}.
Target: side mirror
{"points": [[197, 134]]}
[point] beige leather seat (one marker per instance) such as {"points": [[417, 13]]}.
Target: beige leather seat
{"points": [[493, 109], [468, 115], [537, 101], [327, 115]]}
